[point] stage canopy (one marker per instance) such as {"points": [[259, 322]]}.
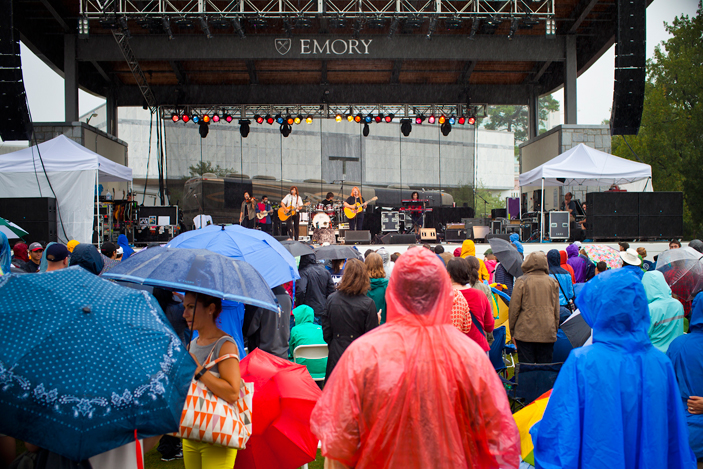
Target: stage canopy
{"points": [[73, 172], [585, 166]]}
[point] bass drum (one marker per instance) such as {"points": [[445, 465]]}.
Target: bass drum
{"points": [[321, 220]]}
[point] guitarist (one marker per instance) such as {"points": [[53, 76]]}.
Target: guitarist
{"points": [[247, 214], [357, 222], [264, 207], [293, 200]]}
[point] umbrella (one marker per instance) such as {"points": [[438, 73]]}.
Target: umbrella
{"points": [[11, 230], [576, 330], [275, 264], [605, 253], [683, 271], [284, 397], [507, 255], [525, 419], [296, 248], [85, 363], [336, 251], [196, 270]]}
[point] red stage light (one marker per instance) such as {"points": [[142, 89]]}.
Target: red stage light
{"points": [[228, 118], [186, 117], [216, 118], [389, 118], [174, 117], [269, 120], [259, 119], [462, 120], [378, 118], [472, 120], [431, 119], [357, 118]]}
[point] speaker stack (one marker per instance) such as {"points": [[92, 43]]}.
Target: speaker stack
{"points": [[661, 215], [14, 116], [36, 215], [630, 73]]}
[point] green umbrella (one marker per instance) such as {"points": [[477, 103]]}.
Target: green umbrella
{"points": [[11, 230]]}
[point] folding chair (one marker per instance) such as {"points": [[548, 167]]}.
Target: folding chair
{"points": [[311, 352], [501, 353], [532, 380]]}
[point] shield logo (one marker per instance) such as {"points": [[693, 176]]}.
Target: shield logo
{"points": [[283, 45]]}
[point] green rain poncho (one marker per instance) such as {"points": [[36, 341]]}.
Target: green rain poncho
{"points": [[306, 333], [666, 312]]}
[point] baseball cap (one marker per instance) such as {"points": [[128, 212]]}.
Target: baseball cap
{"points": [[108, 248], [56, 252], [35, 246]]}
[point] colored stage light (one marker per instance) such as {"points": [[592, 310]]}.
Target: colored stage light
{"points": [[289, 119], [279, 119], [358, 118], [228, 118], [216, 117], [350, 118], [420, 119], [185, 117], [298, 119], [259, 119], [196, 119], [452, 119], [206, 118], [462, 120], [338, 118], [431, 119], [269, 119], [472, 120], [378, 118], [308, 120], [174, 117], [442, 119], [389, 118], [368, 118]]}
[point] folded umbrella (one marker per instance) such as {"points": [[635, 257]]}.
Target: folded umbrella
{"points": [[284, 397], [507, 255], [85, 363], [683, 271], [275, 264], [296, 248], [604, 253], [196, 270], [11, 230], [336, 251]]}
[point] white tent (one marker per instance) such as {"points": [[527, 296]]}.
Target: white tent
{"points": [[585, 166], [72, 171]]}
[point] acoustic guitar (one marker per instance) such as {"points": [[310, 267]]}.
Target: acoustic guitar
{"points": [[358, 208], [262, 215], [284, 213]]}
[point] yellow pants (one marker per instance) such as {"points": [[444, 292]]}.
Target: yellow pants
{"points": [[199, 455]]}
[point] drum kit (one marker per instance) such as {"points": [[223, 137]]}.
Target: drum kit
{"points": [[326, 216]]}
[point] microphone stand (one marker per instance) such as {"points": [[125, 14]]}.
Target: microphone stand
{"points": [[485, 207]]}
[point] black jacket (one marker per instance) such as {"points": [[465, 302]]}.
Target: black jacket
{"points": [[266, 329], [314, 286], [344, 320]]}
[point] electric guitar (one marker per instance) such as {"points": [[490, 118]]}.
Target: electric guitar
{"points": [[358, 208], [284, 213]]}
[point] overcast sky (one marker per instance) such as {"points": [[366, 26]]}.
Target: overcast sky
{"points": [[595, 87]]}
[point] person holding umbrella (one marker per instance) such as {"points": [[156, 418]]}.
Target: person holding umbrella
{"points": [[223, 379]]}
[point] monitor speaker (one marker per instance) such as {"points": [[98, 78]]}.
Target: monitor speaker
{"points": [[428, 234], [357, 237], [395, 238], [661, 204], [455, 236]]}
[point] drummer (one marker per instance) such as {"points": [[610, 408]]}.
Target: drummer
{"points": [[329, 201]]}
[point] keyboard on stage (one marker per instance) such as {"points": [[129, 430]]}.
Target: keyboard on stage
{"points": [[418, 201], [414, 209]]}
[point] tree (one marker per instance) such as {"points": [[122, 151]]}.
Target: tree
{"points": [[670, 138], [206, 167], [515, 118]]}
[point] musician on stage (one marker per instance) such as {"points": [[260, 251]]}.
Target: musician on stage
{"points": [[264, 208], [416, 214], [247, 214], [357, 222], [293, 222], [329, 200]]}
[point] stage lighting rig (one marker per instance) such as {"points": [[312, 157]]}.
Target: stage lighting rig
{"points": [[338, 117], [216, 117], [228, 118], [186, 117], [389, 118], [366, 130], [406, 126], [174, 117], [431, 119], [298, 119], [259, 119], [244, 127], [285, 129], [279, 119], [308, 120], [203, 129], [269, 119], [420, 119], [446, 128]]}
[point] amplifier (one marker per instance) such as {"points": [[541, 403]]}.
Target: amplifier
{"points": [[455, 226], [496, 226], [357, 237], [394, 238], [428, 234], [480, 232], [453, 236]]}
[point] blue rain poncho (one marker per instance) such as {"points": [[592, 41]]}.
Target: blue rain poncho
{"points": [[686, 354], [666, 313], [5, 255], [615, 403]]}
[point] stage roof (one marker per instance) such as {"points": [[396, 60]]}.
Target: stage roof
{"points": [[299, 57]]}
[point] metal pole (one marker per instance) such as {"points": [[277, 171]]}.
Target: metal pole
{"points": [[541, 214]]}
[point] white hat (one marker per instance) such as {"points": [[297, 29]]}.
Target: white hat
{"points": [[119, 250], [578, 243], [630, 257]]}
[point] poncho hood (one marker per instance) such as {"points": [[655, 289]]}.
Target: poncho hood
{"points": [[655, 286], [572, 250], [88, 257], [303, 314], [554, 258], [696, 324], [468, 248], [535, 262]]}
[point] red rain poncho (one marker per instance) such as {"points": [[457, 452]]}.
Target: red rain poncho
{"points": [[415, 392]]}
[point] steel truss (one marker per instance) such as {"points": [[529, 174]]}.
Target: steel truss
{"points": [[361, 9], [330, 111]]}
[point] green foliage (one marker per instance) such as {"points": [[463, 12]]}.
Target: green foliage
{"points": [[206, 167], [515, 118], [465, 194], [670, 138]]}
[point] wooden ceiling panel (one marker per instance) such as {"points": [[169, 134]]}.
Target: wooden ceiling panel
{"points": [[145, 65], [155, 79], [504, 66], [497, 78], [289, 65], [228, 78], [359, 65], [361, 78], [428, 77], [283, 78], [206, 65], [432, 65]]}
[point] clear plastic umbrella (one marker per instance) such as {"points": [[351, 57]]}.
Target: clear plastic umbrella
{"points": [[683, 271]]}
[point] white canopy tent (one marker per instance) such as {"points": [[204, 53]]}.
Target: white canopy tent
{"points": [[73, 171], [585, 166]]}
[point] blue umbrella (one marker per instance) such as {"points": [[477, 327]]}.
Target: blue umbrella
{"points": [[196, 270], [259, 249], [85, 363]]}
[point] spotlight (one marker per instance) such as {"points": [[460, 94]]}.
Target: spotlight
{"points": [[204, 26], [406, 126], [298, 119], [431, 119], [196, 119], [203, 130], [471, 120], [366, 130], [358, 118], [216, 117], [551, 28], [350, 117], [446, 128], [451, 24], [83, 27], [338, 118], [442, 119], [244, 127], [376, 23], [206, 118], [462, 120], [432, 26], [308, 120], [228, 118], [185, 117], [269, 119], [279, 119], [394, 27], [337, 23], [174, 117], [389, 118], [259, 119], [285, 129], [474, 28], [452, 119], [368, 118], [238, 27], [166, 24], [513, 27], [379, 117], [289, 119], [420, 119]]}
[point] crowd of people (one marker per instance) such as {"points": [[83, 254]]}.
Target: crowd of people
{"points": [[408, 382]]}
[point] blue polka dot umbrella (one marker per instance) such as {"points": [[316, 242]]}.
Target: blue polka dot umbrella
{"points": [[85, 362]]}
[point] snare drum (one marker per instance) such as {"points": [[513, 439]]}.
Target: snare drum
{"points": [[320, 207], [321, 220]]}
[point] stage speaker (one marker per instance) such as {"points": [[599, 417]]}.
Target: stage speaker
{"points": [[499, 213], [480, 232], [357, 237], [31, 209], [498, 235], [661, 204], [613, 227], [428, 234], [395, 238], [43, 231], [455, 236], [630, 58], [612, 204], [14, 116], [660, 227]]}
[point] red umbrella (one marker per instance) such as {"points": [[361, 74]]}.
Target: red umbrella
{"points": [[284, 396]]}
